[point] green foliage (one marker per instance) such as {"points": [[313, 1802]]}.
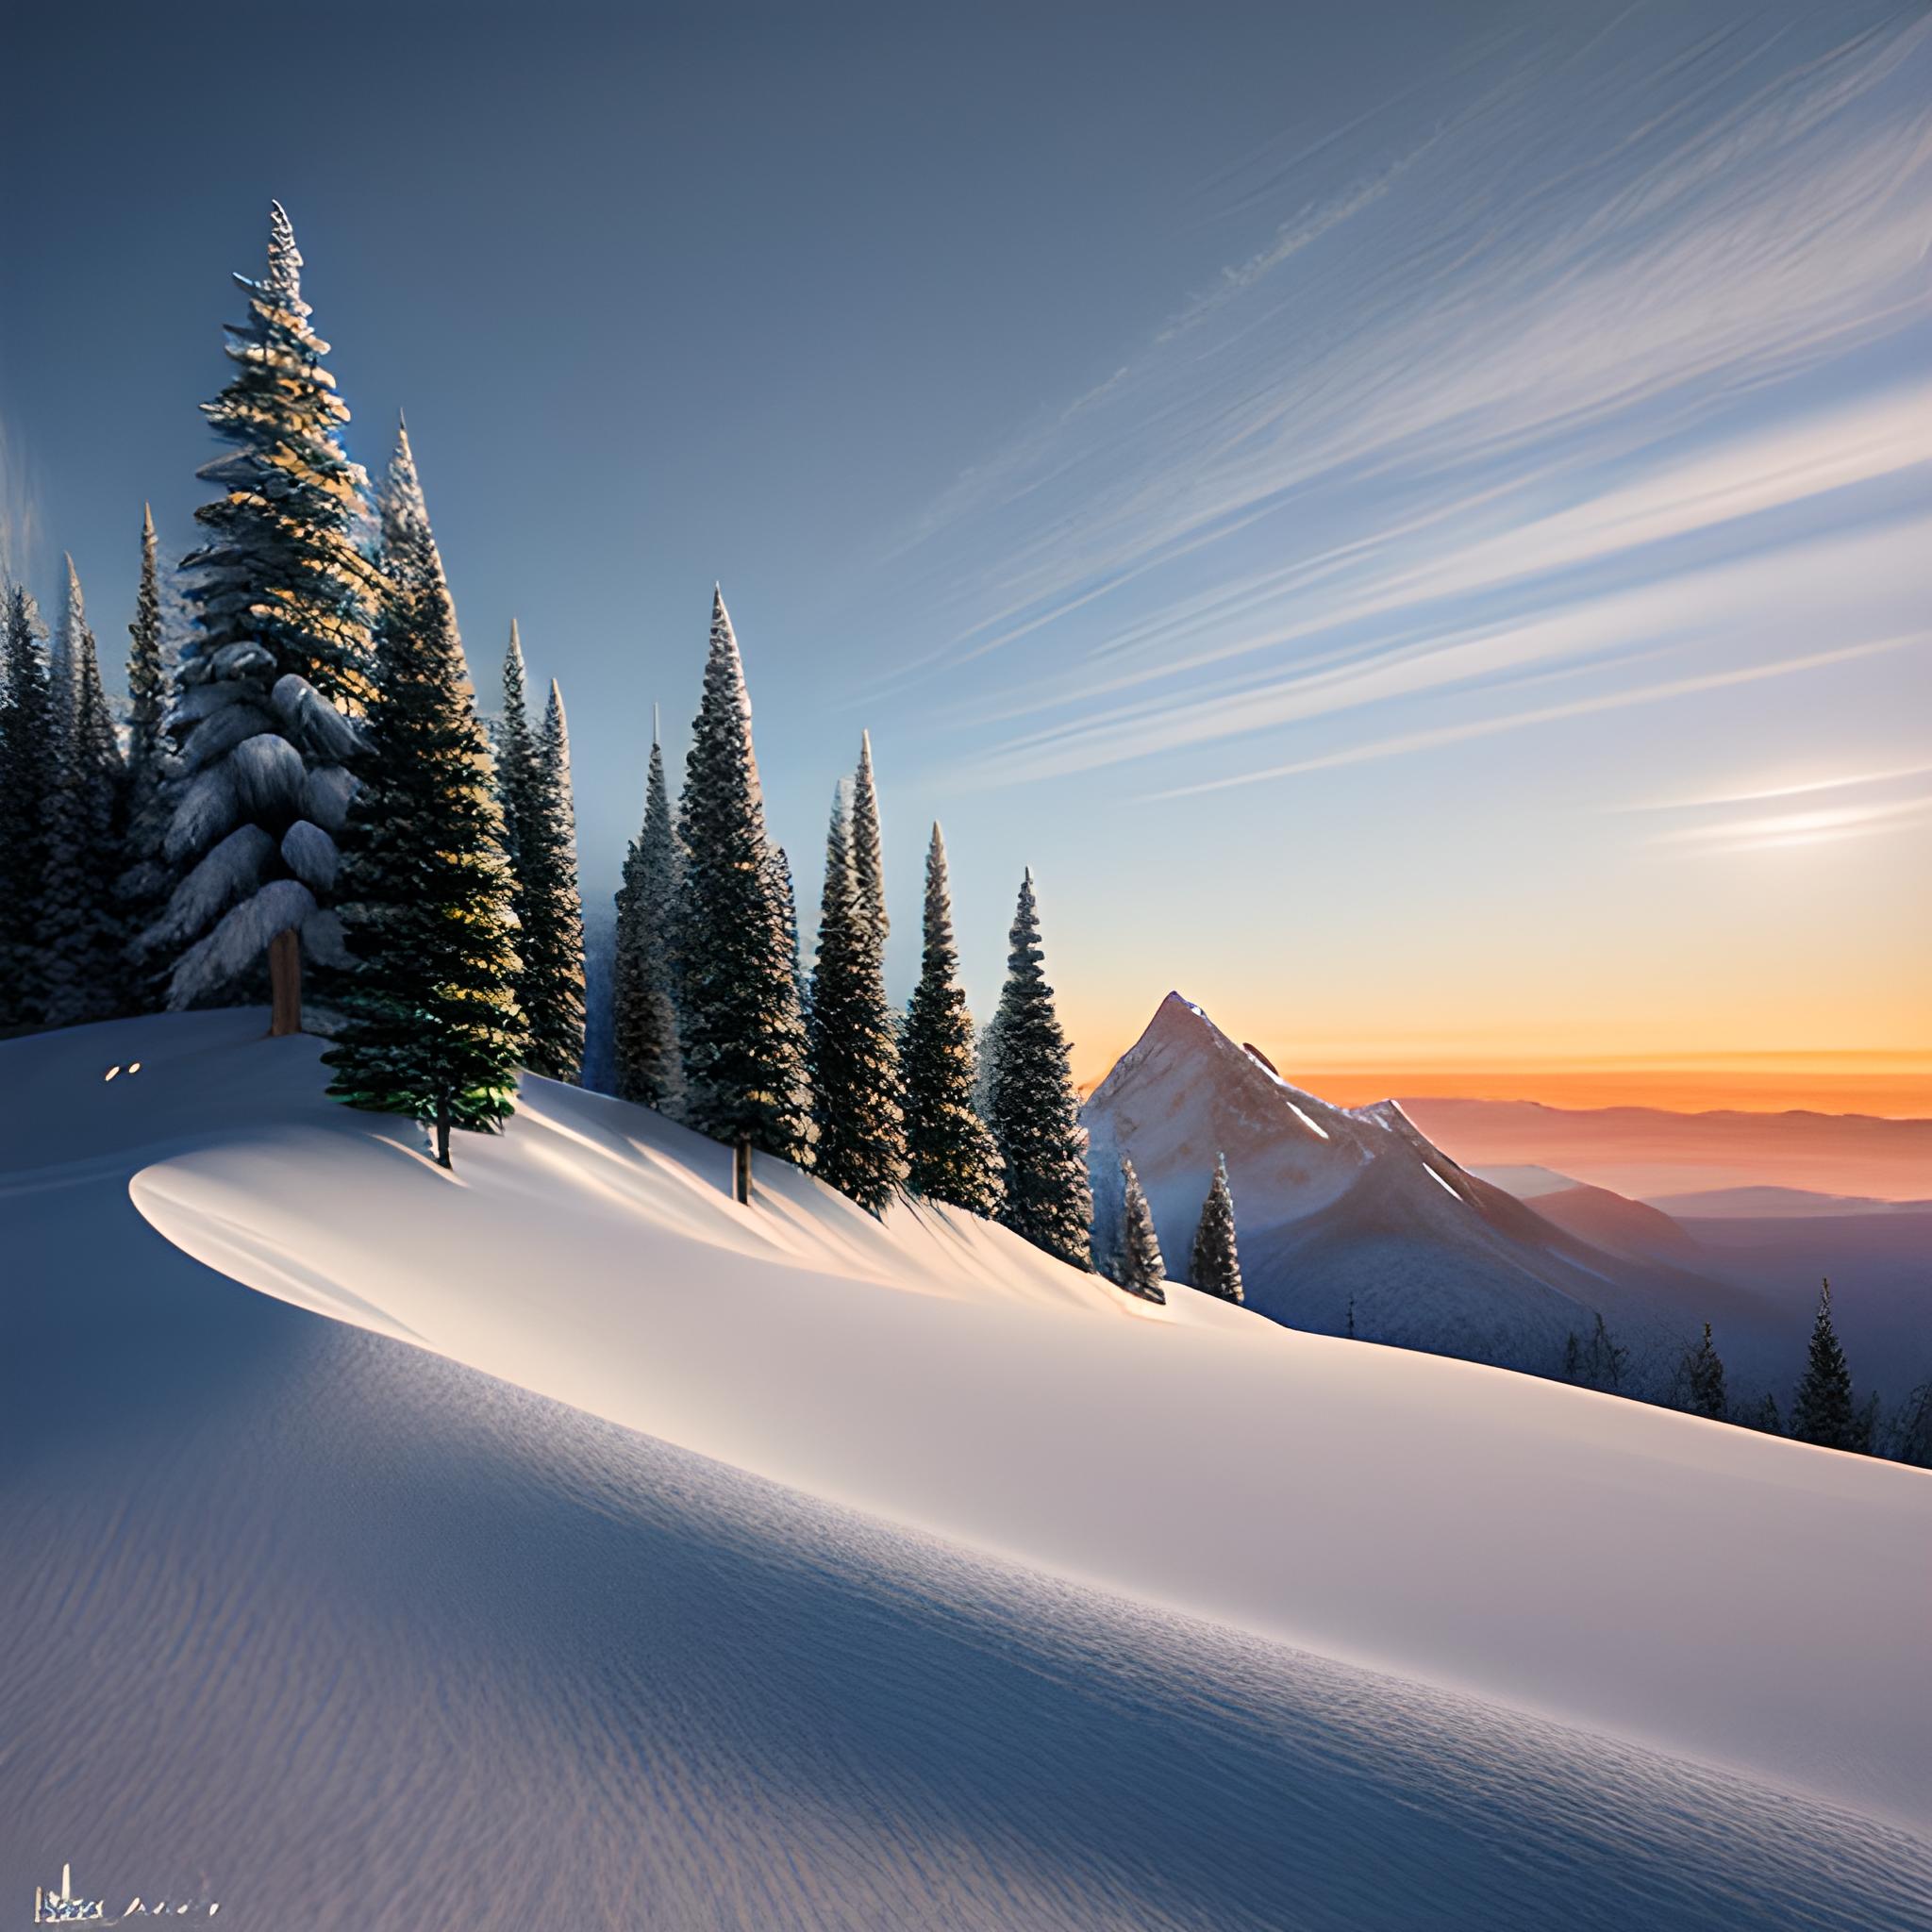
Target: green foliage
{"points": [[1821, 1409], [868, 848], [82, 927], [1603, 1361], [854, 1049], [643, 1019], [1139, 1267], [281, 565], [1702, 1375], [1033, 1109], [517, 784], [950, 1153], [551, 943], [282, 661], [141, 887], [28, 777], [1911, 1429], [737, 1004], [1216, 1261], [432, 1027]]}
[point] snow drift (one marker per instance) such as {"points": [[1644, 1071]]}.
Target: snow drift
{"points": [[371, 1618]]}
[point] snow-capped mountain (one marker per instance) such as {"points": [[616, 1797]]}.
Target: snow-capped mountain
{"points": [[1354, 1207]]}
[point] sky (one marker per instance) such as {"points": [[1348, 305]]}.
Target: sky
{"points": [[1412, 520]]}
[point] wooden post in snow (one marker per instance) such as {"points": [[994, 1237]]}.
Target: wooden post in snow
{"points": [[285, 983], [741, 1172]]}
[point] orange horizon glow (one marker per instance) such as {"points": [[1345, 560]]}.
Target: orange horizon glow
{"points": [[1881, 1086], [1897, 1095]]}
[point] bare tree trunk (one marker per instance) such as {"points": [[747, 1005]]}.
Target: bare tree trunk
{"points": [[741, 1172], [285, 983]]}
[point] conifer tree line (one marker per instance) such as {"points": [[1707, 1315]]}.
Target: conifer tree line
{"points": [[311, 765], [1823, 1406], [314, 764]]}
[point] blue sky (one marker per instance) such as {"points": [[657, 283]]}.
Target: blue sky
{"points": [[1413, 521]]}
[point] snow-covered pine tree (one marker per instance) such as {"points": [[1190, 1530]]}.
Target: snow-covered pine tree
{"points": [[1139, 1271], [551, 989], [950, 1154], [64, 653], [778, 880], [432, 1028], [143, 885], [855, 1052], [1033, 1109], [868, 847], [27, 773], [83, 937], [517, 783], [1703, 1376], [1216, 1260], [279, 665], [643, 1017], [1821, 1409], [738, 1020]]}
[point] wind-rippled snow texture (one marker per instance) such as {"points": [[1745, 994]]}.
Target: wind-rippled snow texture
{"points": [[339, 1632], [345, 1633]]}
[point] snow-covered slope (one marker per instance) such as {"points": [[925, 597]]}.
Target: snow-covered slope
{"points": [[1339, 1205], [389, 1641]]}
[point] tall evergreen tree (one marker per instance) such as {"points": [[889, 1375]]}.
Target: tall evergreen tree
{"points": [[143, 885], [868, 847], [1703, 1377], [551, 990], [1911, 1428], [1604, 1360], [950, 1153], [518, 777], [643, 1019], [1821, 1409], [738, 1020], [855, 1053], [433, 1030], [778, 883], [280, 661], [84, 940], [1140, 1268], [64, 654], [1216, 1261], [28, 777], [1033, 1109]]}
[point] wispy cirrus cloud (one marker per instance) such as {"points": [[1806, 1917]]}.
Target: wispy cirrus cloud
{"points": [[20, 532], [1626, 320], [1491, 725], [1855, 804]]}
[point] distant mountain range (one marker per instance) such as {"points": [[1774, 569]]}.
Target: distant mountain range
{"points": [[1653, 1156], [1357, 1214]]}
